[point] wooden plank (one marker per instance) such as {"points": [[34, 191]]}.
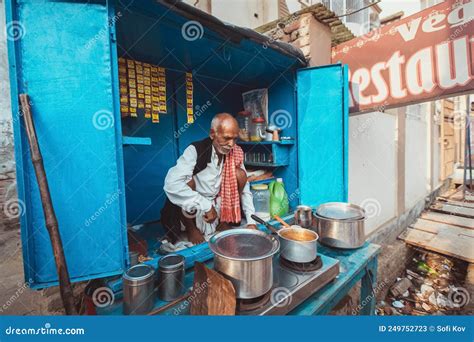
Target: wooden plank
{"points": [[436, 227], [449, 154], [444, 242], [449, 130], [449, 193], [449, 219], [466, 204], [453, 210]]}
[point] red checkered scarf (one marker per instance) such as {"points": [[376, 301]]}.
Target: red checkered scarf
{"points": [[230, 199]]}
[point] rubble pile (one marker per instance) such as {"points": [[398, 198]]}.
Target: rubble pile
{"points": [[432, 285]]}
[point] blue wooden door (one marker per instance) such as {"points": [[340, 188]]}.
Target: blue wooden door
{"points": [[61, 56], [322, 134]]}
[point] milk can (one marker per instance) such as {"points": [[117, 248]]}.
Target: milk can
{"points": [[170, 277], [138, 290]]}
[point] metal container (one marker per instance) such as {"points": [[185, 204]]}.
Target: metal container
{"points": [[133, 258], [303, 216], [245, 257], [170, 277], [138, 290], [298, 244], [341, 225]]}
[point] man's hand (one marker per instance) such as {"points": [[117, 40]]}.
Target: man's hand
{"points": [[252, 226], [211, 215]]}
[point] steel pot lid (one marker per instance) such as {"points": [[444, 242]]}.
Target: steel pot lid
{"points": [[171, 262], [244, 244], [139, 272], [340, 211]]}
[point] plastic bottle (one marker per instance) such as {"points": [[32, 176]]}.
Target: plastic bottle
{"points": [[278, 198]]}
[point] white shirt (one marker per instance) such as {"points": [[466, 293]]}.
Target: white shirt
{"points": [[208, 183]]}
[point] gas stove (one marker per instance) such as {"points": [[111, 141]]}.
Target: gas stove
{"points": [[292, 285]]}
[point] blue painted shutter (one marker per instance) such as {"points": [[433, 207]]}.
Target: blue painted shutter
{"points": [[322, 134], [63, 61]]}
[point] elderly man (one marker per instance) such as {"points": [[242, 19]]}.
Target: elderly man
{"points": [[207, 186]]}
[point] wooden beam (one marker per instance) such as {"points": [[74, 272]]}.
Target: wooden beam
{"points": [[400, 150]]}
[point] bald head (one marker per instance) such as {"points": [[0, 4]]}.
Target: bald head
{"points": [[223, 119], [224, 132]]}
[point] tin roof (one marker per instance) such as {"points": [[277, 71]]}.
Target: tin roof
{"points": [[340, 32]]}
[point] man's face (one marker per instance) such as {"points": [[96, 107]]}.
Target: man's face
{"points": [[225, 136]]}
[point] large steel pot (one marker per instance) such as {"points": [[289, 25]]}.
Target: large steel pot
{"points": [[245, 257], [340, 225]]}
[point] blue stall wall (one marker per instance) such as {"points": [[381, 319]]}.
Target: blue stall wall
{"points": [[282, 113], [210, 98], [322, 134], [65, 67], [146, 165]]}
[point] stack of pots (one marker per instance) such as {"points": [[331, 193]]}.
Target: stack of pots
{"points": [[340, 225]]}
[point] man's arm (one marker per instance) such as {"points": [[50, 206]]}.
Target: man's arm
{"points": [[176, 187], [247, 201]]}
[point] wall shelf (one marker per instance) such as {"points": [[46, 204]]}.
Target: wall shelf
{"points": [[264, 164], [136, 140], [282, 142]]}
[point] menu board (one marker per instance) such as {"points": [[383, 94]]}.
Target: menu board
{"points": [[142, 89], [189, 98]]}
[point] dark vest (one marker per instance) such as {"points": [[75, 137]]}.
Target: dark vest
{"points": [[204, 154], [170, 214]]}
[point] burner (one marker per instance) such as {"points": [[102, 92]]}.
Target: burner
{"points": [[252, 303], [311, 266]]}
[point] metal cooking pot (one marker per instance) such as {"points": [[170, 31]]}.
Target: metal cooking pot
{"points": [[245, 257], [340, 225], [298, 244]]}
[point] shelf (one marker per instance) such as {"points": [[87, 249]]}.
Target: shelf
{"points": [[136, 140], [264, 164], [262, 181], [282, 142]]}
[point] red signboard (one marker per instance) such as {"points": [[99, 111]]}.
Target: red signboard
{"points": [[423, 57]]}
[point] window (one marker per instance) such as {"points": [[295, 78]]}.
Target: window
{"points": [[360, 22]]}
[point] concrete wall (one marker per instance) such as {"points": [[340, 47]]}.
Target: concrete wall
{"points": [[372, 166], [417, 151]]}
